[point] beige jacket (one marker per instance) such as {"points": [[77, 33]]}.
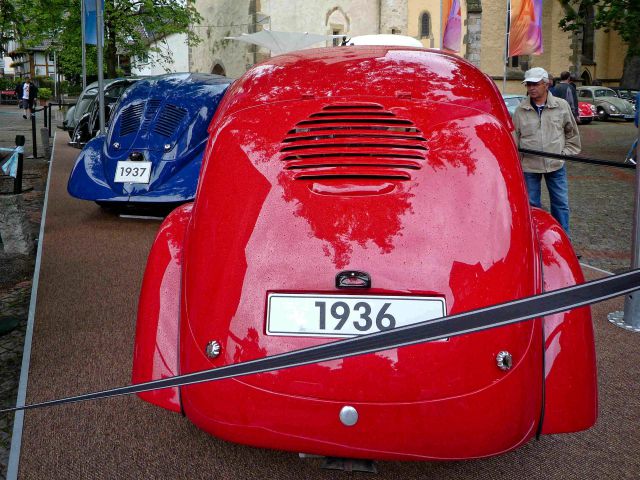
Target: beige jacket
{"points": [[554, 131]]}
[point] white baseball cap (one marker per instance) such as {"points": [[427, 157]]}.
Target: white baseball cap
{"points": [[535, 75]]}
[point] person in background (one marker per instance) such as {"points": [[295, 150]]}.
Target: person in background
{"points": [[27, 93], [544, 122], [632, 154], [552, 85], [566, 90]]}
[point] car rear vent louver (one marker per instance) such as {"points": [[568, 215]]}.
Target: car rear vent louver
{"points": [[149, 114], [356, 140], [169, 120], [130, 119]]}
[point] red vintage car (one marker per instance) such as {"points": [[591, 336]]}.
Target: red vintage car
{"points": [[397, 163], [587, 112]]}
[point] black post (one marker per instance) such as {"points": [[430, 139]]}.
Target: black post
{"points": [[50, 108], [33, 135], [17, 182], [45, 115]]}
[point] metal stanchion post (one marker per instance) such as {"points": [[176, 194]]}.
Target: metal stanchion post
{"points": [[17, 182], [50, 108], [44, 109], [630, 318], [33, 135]]}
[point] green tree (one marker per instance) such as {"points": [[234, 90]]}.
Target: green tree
{"points": [[9, 18], [129, 28], [131, 24], [622, 16]]}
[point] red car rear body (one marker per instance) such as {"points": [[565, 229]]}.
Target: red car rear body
{"points": [[400, 163], [586, 112]]}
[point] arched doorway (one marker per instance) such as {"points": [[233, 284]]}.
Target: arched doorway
{"points": [[586, 78], [218, 70]]}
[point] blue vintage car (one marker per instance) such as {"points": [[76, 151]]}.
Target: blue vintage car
{"points": [[152, 151]]}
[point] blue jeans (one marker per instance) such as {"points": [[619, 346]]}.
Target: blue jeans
{"points": [[558, 193]]}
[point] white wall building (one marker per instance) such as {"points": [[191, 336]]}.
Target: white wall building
{"points": [[173, 57], [5, 66], [33, 61], [229, 18]]}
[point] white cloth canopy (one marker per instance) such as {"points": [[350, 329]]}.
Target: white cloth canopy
{"points": [[283, 42]]}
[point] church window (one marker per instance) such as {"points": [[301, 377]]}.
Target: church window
{"points": [[425, 25]]}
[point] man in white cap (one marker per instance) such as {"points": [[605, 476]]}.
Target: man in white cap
{"points": [[545, 123]]}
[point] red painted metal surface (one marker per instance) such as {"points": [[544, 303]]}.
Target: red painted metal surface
{"points": [[156, 346], [396, 162], [586, 112], [571, 390]]}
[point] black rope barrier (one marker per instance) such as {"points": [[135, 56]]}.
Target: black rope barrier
{"points": [[593, 161], [445, 327]]}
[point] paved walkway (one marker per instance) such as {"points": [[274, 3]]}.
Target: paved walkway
{"points": [[16, 271], [91, 262], [601, 200], [12, 124]]}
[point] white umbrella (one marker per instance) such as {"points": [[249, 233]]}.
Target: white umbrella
{"points": [[283, 42]]}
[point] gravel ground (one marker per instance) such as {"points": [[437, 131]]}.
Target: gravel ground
{"points": [[601, 201]]}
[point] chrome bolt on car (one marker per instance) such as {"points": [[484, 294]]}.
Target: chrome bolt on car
{"points": [[348, 416], [504, 360], [213, 349]]}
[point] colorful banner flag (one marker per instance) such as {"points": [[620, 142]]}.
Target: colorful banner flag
{"points": [[451, 25], [525, 32], [90, 15]]}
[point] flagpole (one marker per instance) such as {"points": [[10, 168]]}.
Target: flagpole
{"points": [[99, 42], [84, 50], [441, 32], [506, 48]]}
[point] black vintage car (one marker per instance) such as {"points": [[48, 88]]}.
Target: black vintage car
{"points": [[112, 88]]}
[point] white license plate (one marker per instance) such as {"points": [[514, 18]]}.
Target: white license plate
{"points": [[133, 172], [346, 315]]}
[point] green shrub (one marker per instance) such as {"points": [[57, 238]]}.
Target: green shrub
{"points": [[43, 81], [8, 83], [44, 93], [63, 86], [74, 90]]}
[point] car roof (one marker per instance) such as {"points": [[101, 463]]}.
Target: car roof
{"points": [[385, 39], [594, 87], [343, 72]]}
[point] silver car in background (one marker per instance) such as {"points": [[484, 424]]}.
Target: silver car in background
{"points": [[607, 103], [113, 88], [512, 101]]}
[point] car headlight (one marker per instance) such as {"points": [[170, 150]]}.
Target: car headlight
{"points": [[594, 110], [613, 108]]}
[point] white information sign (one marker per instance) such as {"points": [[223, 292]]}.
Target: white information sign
{"points": [[133, 172], [346, 315]]}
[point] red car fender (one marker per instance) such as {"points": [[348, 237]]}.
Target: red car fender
{"points": [[156, 346], [571, 393]]}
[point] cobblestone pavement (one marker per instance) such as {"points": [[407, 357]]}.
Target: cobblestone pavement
{"points": [[601, 201], [601, 198]]}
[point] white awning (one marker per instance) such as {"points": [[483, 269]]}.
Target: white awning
{"points": [[283, 42]]}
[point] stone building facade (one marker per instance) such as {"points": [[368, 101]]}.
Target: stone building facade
{"points": [[596, 55]]}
